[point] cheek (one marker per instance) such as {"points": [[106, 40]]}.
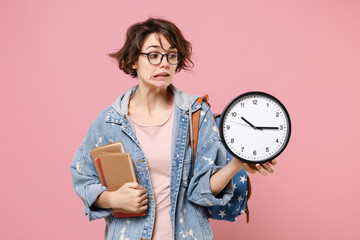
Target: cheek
{"points": [[145, 71]]}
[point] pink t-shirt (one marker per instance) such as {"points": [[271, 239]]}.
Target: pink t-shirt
{"points": [[155, 142]]}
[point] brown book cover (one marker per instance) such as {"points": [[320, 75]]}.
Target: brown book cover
{"points": [[112, 147], [117, 169]]}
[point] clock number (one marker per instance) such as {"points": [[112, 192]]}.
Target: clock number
{"points": [[267, 149], [281, 127], [242, 104], [254, 152], [242, 149], [277, 140], [233, 114], [277, 114], [232, 140], [267, 104], [255, 102], [227, 127]]}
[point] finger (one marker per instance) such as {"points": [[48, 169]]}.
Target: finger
{"points": [[273, 162], [138, 193], [143, 208], [248, 168], [133, 185], [139, 209], [143, 197], [142, 191], [140, 201], [144, 202], [261, 169], [268, 167]]}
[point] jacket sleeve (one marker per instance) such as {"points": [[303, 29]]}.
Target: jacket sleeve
{"points": [[85, 179], [210, 158]]}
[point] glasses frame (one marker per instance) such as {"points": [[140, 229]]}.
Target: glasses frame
{"points": [[179, 55]]}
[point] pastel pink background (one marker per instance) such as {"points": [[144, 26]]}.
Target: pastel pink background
{"points": [[56, 77]]}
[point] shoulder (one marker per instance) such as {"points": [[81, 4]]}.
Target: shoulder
{"points": [[107, 116]]}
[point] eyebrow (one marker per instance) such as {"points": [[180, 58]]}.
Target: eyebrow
{"points": [[157, 46]]}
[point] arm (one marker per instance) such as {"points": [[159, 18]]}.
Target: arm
{"points": [[220, 179], [87, 184]]}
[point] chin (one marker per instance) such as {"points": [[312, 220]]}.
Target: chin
{"points": [[160, 84]]}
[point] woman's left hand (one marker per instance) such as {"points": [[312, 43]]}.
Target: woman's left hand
{"points": [[262, 168]]}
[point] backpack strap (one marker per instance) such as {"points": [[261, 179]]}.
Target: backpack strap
{"points": [[195, 125], [247, 200]]}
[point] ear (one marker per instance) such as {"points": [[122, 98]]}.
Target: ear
{"points": [[134, 66]]}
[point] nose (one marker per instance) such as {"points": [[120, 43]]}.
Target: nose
{"points": [[164, 62]]}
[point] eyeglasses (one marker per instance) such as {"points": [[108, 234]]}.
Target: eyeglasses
{"points": [[155, 58]]}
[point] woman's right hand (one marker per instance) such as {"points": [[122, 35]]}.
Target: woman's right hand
{"points": [[131, 197]]}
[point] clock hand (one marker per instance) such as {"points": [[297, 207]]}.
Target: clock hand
{"points": [[250, 124], [240, 123], [274, 128]]}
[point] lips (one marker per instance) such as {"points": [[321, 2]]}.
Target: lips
{"points": [[161, 76]]}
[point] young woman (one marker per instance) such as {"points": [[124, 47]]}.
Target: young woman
{"points": [[152, 120]]}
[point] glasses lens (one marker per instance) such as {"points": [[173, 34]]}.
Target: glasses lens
{"points": [[154, 58], [174, 58]]}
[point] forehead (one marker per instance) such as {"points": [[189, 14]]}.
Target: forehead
{"points": [[156, 40]]}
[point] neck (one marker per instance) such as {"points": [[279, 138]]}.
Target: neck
{"points": [[151, 100]]}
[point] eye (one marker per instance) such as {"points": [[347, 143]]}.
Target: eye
{"points": [[154, 55], [173, 55]]}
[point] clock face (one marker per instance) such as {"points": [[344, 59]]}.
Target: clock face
{"points": [[255, 127]]}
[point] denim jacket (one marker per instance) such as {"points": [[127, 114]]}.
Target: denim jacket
{"points": [[189, 186]]}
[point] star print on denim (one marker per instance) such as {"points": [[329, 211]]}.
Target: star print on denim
{"points": [[222, 214], [243, 179]]}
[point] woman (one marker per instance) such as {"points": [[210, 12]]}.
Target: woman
{"points": [[152, 120]]}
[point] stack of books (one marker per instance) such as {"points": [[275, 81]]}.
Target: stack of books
{"points": [[114, 167]]}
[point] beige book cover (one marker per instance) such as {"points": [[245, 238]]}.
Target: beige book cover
{"points": [[112, 147]]}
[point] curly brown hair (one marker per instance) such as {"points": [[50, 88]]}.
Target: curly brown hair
{"points": [[135, 37]]}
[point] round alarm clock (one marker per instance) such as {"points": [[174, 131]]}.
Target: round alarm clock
{"points": [[255, 127]]}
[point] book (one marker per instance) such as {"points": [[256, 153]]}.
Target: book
{"points": [[114, 168], [112, 147]]}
